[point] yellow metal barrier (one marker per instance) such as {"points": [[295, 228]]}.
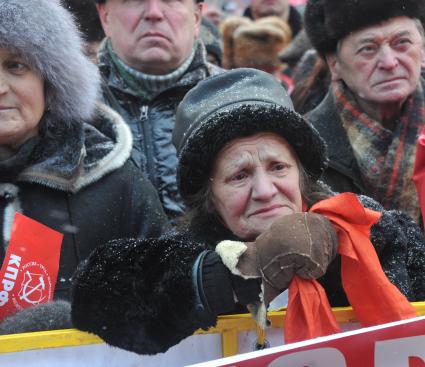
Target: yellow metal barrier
{"points": [[228, 326]]}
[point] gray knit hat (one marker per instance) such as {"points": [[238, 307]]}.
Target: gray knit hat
{"points": [[44, 34], [240, 102]]}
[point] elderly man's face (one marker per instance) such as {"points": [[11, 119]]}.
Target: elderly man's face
{"points": [[264, 8], [255, 180], [152, 36], [381, 63]]}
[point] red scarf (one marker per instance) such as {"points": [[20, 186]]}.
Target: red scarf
{"points": [[375, 300]]}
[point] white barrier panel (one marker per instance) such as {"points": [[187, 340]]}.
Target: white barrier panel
{"points": [[397, 344], [191, 350], [234, 334]]}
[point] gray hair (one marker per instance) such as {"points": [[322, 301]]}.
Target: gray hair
{"points": [[44, 34], [420, 28]]}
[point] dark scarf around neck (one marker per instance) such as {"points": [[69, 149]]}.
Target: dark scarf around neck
{"points": [[385, 158], [18, 160]]}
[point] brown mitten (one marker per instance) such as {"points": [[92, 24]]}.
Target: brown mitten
{"points": [[301, 244]]}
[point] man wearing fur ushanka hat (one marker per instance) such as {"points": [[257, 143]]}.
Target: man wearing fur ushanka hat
{"points": [[374, 109]]}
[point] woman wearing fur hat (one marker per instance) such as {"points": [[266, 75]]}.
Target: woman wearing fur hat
{"points": [[257, 214], [63, 158]]}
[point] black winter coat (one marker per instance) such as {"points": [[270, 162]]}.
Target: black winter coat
{"points": [[106, 198], [153, 305], [152, 122]]}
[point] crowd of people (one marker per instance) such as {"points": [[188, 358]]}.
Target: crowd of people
{"points": [[201, 162]]}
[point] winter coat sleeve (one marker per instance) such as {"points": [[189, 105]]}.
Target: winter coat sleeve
{"points": [[143, 214], [138, 294], [400, 245]]}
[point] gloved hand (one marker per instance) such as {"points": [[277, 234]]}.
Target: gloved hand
{"points": [[301, 244], [217, 289]]}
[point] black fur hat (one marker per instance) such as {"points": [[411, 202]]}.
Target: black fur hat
{"points": [[238, 103], [328, 21]]}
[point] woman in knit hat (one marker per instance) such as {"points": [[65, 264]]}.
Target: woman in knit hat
{"points": [[257, 215], [62, 155]]}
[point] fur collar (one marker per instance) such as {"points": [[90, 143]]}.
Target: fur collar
{"points": [[83, 155]]}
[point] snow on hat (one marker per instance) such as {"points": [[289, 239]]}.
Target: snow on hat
{"points": [[234, 104]]}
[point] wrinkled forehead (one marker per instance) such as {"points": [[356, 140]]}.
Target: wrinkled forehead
{"points": [[393, 27], [254, 149]]}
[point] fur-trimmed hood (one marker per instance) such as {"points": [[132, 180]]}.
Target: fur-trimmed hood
{"points": [[44, 34], [83, 154]]}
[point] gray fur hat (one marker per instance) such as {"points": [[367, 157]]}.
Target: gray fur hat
{"points": [[45, 35]]}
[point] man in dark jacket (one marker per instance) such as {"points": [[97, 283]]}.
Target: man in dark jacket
{"points": [[374, 109], [152, 56]]}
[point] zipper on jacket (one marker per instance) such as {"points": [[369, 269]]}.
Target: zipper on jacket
{"points": [[143, 113], [147, 145]]}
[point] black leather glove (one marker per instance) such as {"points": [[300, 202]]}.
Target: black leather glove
{"points": [[218, 289]]}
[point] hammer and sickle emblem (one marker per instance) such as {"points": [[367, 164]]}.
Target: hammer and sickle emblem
{"points": [[31, 290]]}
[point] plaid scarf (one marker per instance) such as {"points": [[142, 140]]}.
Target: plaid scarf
{"points": [[385, 158]]}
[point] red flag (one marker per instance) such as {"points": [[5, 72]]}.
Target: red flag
{"points": [[30, 267], [419, 172], [363, 279]]}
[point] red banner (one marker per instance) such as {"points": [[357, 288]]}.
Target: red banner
{"points": [[30, 267]]}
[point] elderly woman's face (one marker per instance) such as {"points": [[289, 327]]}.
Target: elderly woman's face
{"points": [[255, 180], [21, 100]]}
